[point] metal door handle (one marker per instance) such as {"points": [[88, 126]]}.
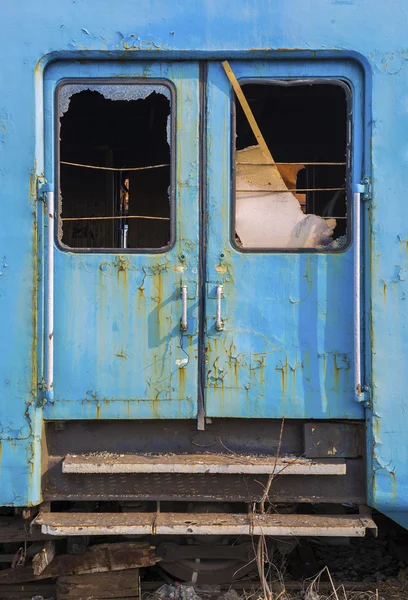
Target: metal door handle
{"points": [[219, 323], [183, 322]]}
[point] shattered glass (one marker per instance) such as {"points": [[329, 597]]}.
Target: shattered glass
{"points": [[116, 91]]}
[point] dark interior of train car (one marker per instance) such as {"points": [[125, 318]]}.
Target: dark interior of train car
{"points": [[116, 207], [99, 206]]}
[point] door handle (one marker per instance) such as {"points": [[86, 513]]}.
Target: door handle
{"points": [[183, 321], [219, 323]]}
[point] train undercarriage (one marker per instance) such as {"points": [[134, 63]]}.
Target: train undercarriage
{"points": [[202, 499]]}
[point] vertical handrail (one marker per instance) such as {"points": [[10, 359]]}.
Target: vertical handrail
{"points": [[357, 293], [183, 321], [49, 372]]}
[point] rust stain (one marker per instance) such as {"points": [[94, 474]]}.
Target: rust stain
{"points": [[235, 367], [182, 382], [155, 405], [283, 368], [336, 373], [293, 385], [121, 264], [159, 287], [376, 423]]}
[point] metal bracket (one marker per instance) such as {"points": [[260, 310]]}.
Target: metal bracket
{"points": [[43, 187], [364, 396], [364, 189]]}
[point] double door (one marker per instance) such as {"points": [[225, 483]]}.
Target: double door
{"points": [[190, 277]]}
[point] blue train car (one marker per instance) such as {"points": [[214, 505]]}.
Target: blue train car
{"points": [[203, 269]]}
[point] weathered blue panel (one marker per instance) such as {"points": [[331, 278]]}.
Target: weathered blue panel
{"points": [[371, 31]]}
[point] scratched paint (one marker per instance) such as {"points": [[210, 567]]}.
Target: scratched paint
{"points": [[30, 40]]}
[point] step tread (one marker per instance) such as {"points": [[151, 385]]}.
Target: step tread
{"points": [[199, 463], [63, 524]]}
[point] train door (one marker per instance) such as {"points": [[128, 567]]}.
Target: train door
{"points": [[280, 241], [121, 305]]}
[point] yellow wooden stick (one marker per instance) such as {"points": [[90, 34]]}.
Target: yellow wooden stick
{"points": [[248, 113]]}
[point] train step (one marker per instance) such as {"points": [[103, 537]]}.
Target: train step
{"points": [[67, 524], [230, 464]]}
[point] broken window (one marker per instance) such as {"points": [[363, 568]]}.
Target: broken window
{"points": [[300, 200], [115, 166]]}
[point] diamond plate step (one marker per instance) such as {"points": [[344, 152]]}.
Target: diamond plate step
{"points": [[66, 524], [231, 464]]}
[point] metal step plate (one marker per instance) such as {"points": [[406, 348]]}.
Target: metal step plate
{"points": [[230, 464], [67, 524]]}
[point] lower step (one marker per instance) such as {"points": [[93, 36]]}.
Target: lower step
{"points": [[229, 464], [67, 524]]}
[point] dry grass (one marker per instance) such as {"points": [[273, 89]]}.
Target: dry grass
{"points": [[322, 587]]}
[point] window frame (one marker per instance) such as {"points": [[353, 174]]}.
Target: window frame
{"points": [[291, 82], [173, 153]]}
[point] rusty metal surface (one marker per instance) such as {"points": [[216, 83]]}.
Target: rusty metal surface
{"points": [[231, 464], [189, 487], [334, 439], [254, 436], [62, 524]]}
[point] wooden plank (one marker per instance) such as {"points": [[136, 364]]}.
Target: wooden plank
{"points": [[46, 589], [98, 586], [63, 524], [198, 463], [43, 558], [97, 559], [248, 113]]}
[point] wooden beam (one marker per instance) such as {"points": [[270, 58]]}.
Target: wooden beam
{"points": [[248, 113], [42, 559], [97, 559], [119, 584]]}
